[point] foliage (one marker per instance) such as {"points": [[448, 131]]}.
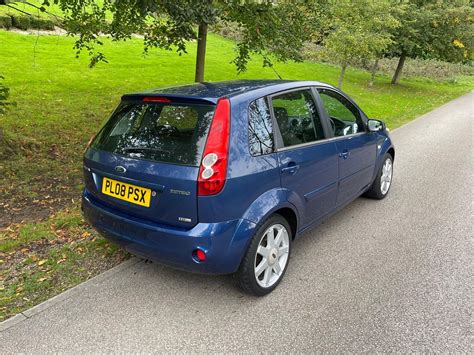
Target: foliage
{"points": [[433, 29], [359, 29], [24, 23], [21, 22], [433, 69], [5, 22], [42, 24], [266, 26]]}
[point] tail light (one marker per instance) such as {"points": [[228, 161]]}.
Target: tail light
{"points": [[213, 170]]}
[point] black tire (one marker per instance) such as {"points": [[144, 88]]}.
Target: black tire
{"points": [[245, 275], [375, 190]]}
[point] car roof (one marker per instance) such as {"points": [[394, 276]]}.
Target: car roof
{"points": [[212, 91]]}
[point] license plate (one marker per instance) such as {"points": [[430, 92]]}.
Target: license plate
{"points": [[126, 192]]}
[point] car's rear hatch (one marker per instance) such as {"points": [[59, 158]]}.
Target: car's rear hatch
{"points": [[145, 160]]}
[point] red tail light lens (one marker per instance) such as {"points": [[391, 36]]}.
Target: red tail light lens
{"points": [[213, 170]]}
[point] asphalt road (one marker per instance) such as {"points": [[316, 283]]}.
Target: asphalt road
{"points": [[386, 276]]}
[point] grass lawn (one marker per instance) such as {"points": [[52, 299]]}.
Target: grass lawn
{"points": [[61, 103]]}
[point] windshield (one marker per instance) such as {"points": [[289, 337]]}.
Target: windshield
{"points": [[164, 132]]}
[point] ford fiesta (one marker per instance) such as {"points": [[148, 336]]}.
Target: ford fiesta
{"points": [[221, 178]]}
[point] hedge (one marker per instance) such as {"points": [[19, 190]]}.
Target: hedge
{"points": [[6, 22], [26, 22]]}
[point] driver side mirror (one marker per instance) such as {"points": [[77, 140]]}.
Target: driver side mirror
{"points": [[375, 125]]}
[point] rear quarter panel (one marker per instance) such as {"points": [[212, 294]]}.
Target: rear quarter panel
{"points": [[248, 177]]}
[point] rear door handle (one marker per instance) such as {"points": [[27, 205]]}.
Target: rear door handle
{"points": [[292, 169], [345, 154]]}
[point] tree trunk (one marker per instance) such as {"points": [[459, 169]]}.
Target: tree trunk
{"points": [[341, 77], [201, 52], [398, 71], [373, 71]]}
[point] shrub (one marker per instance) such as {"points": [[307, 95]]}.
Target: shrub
{"points": [[42, 24], [426, 68], [25, 22], [5, 22], [21, 22]]}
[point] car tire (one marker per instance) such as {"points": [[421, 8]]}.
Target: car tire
{"points": [[250, 277], [383, 181]]}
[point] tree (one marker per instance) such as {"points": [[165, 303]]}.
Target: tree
{"points": [[271, 29], [432, 29], [360, 30]]}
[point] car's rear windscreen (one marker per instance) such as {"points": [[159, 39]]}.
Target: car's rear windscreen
{"points": [[163, 132]]}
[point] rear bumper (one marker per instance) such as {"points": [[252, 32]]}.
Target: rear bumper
{"points": [[224, 243]]}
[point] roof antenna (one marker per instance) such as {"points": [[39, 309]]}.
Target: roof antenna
{"points": [[268, 63], [274, 70]]}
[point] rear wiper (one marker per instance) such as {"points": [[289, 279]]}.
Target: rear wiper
{"points": [[141, 149]]}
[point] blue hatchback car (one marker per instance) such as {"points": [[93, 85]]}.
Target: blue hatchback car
{"points": [[220, 178]]}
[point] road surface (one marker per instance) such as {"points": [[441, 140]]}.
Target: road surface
{"points": [[387, 276]]}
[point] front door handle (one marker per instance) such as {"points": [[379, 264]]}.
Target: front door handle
{"points": [[345, 154], [290, 169]]}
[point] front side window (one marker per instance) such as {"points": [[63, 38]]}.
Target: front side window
{"points": [[169, 133], [260, 128], [344, 117], [297, 117]]}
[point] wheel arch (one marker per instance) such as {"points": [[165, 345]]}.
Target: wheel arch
{"points": [[291, 218], [391, 151], [271, 202]]}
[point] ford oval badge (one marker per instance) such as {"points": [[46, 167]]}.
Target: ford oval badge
{"points": [[120, 169]]}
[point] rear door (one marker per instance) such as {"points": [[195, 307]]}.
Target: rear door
{"points": [[145, 160], [356, 147], [308, 162]]}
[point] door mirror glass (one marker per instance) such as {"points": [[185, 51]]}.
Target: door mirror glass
{"points": [[375, 125]]}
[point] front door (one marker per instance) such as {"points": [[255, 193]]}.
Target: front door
{"points": [[355, 146], [308, 163]]}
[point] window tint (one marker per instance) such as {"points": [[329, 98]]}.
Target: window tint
{"points": [[343, 116], [297, 118], [170, 133], [260, 128]]}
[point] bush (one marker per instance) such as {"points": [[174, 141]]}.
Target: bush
{"points": [[21, 22], [5, 22], [25, 22], [42, 24], [426, 68]]}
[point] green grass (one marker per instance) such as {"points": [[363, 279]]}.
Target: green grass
{"points": [[60, 103]]}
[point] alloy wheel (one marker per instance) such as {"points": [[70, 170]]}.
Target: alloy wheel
{"points": [[272, 255]]}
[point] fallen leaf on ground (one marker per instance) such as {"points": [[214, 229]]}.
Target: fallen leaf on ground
{"points": [[42, 262]]}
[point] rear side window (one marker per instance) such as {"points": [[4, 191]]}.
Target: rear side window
{"points": [[260, 128], [163, 132]]}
